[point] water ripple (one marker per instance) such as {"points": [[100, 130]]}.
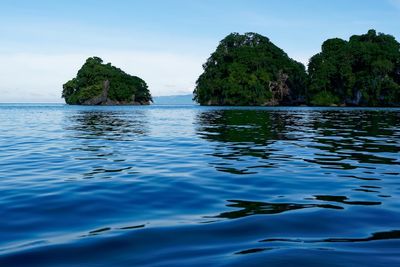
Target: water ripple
{"points": [[188, 185]]}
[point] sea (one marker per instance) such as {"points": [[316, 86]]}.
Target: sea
{"points": [[186, 185]]}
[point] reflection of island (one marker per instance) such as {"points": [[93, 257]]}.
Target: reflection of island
{"points": [[354, 135], [108, 125], [237, 125], [240, 133], [250, 208], [389, 235], [340, 139], [378, 236], [104, 136]]}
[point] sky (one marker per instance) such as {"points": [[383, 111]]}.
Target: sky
{"points": [[43, 43]]}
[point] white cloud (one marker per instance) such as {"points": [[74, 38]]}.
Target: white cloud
{"points": [[33, 77], [166, 73]]}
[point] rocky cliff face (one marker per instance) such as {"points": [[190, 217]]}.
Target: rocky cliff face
{"points": [[102, 99]]}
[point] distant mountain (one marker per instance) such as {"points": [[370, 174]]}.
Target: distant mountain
{"points": [[174, 100]]}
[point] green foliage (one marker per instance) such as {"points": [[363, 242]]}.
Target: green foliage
{"points": [[324, 98], [241, 70], [362, 71], [90, 79]]}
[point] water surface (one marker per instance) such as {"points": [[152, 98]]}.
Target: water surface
{"points": [[189, 185]]}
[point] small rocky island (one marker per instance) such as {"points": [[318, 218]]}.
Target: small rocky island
{"points": [[249, 70], [103, 84]]}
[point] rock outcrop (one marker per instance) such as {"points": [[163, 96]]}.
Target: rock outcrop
{"points": [[102, 99]]}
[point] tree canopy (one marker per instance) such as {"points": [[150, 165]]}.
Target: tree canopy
{"points": [[250, 70], [364, 71], [91, 79]]}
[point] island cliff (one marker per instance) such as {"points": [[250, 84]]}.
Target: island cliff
{"points": [[364, 71], [103, 84], [249, 70]]}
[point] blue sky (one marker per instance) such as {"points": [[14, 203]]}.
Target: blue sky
{"points": [[43, 43]]}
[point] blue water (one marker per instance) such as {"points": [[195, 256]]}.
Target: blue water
{"points": [[189, 186]]}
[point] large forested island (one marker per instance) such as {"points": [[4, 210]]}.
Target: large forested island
{"points": [[250, 70], [103, 84]]}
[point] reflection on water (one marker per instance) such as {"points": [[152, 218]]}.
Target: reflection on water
{"points": [[379, 236], [344, 200], [247, 126], [357, 144], [187, 186], [103, 136], [374, 237], [108, 125], [248, 208], [341, 136]]}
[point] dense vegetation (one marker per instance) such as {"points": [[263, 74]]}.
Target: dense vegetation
{"points": [[364, 71], [250, 70], [90, 81]]}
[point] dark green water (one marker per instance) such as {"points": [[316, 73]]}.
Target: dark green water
{"points": [[189, 186]]}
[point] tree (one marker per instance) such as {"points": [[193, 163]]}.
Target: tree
{"points": [[242, 70], [362, 71]]}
